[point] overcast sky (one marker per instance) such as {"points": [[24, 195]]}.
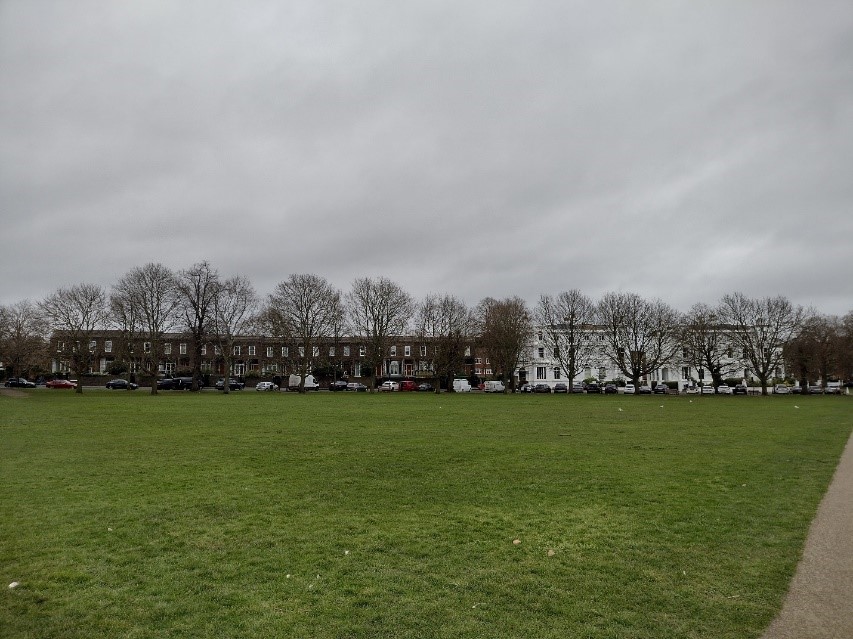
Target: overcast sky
{"points": [[679, 150]]}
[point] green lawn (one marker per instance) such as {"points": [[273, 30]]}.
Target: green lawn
{"points": [[344, 515]]}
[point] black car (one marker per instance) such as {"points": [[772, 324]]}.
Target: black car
{"points": [[356, 387], [661, 389], [560, 387], [425, 388], [541, 388], [121, 384], [740, 389], [19, 382], [338, 385], [233, 384], [592, 387], [526, 388], [177, 383], [610, 389]]}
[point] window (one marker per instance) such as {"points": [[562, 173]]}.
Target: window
{"points": [[541, 352], [556, 373], [539, 336], [357, 369], [92, 345], [423, 351], [217, 350], [301, 351], [331, 351], [182, 348], [602, 373], [467, 351], [487, 361], [252, 349], [204, 349], [60, 346], [393, 351], [269, 351], [556, 352], [167, 349], [361, 353], [108, 346], [316, 351], [146, 347], [541, 372], [237, 350], [407, 351], [346, 351], [284, 351], [488, 371]]}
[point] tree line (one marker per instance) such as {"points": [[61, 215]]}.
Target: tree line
{"points": [[636, 334]]}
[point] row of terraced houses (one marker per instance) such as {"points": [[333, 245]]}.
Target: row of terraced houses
{"points": [[407, 357]]}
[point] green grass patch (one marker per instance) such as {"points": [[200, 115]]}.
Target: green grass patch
{"points": [[351, 515]]}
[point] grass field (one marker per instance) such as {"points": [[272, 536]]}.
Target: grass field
{"points": [[405, 515]]}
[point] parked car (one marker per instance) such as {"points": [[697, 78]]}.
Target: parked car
{"points": [[61, 383], [389, 386], [338, 385], [660, 389], [19, 382], [644, 389], [265, 386], [356, 387], [525, 388], [740, 389], [310, 383], [592, 387], [692, 390], [408, 385], [560, 387], [577, 387], [541, 388], [494, 386], [233, 384], [724, 389], [121, 384], [815, 389], [781, 389], [461, 386], [629, 389], [425, 387], [610, 389], [796, 390], [707, 390], [832, 388]]}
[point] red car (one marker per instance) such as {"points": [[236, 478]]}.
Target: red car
{"points": [[60, 383], [408, 385]]}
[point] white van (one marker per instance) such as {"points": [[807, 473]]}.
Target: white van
{"points": [[461, 386], [494, 387], [310, 383]]}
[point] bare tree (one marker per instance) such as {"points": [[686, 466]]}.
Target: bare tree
{"points": [[235, 306], [378, 310], [76, 313], [505, 330], [306, 310], [639, 335], [197, 287], [23, 348], [817, 350], [760, 329], [708, 342], [147, 297], [446, 327], [565, 322]]}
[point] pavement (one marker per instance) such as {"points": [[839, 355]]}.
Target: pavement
{"points": [[819, 603]]}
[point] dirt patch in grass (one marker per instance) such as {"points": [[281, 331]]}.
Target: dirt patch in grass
{"points": [[11, 392]]}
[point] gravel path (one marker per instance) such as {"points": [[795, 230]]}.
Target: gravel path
{"points": [[819, 604]]}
